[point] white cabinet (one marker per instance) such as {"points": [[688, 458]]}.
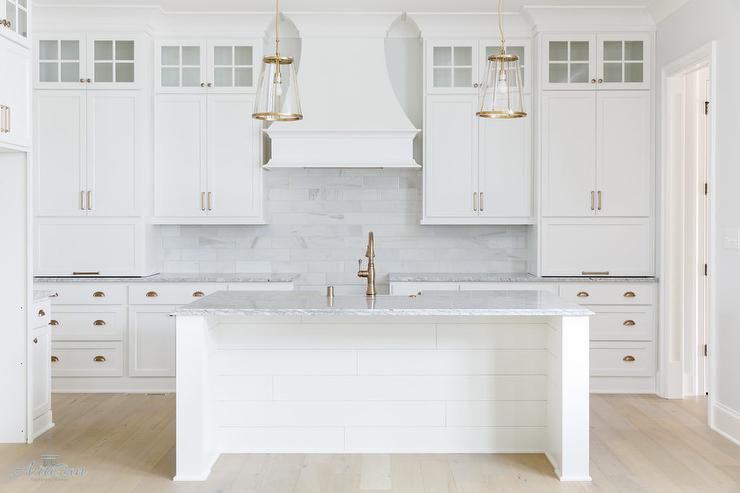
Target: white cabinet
{"points": [[596, 61], [207, 160], [15, 17], [88, 146], [40, 375], [151, 343], [81, 60], [15, 122]]}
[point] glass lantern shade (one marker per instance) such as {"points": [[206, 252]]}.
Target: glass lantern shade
{"points": [[277, 91], [501, 95]]}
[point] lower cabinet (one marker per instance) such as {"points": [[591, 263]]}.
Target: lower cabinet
{"points": [[151, 341], [41, 370]]}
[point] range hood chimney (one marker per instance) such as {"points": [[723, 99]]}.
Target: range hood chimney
{"points": [[352, 118]]}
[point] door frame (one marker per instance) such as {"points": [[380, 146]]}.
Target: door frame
{"points": [[670, 381]]}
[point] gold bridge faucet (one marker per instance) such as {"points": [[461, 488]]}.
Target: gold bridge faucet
{"points": [[370, 272]]}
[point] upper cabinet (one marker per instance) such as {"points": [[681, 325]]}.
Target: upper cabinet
{"points": [[15, 20], [78, 61], [228, 66], [15, 104], [604, 61]]}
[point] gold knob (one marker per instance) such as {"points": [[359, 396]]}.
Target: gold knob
{"points": [[54, 359], [583, 294], [151, 294], [601, 81], [593, 81], [99, 359], [54, 322], [628, 358], [629, 294], [42, 313], [202, 84], [99, 322], [98, 294], [35, 340], [198, 294], [88, 80], [629, 323], [82, 81]]}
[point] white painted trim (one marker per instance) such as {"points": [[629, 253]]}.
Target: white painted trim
{"points": [[726, 422]]}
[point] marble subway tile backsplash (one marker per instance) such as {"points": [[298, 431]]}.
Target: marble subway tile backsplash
{"points": [[318, 222]]}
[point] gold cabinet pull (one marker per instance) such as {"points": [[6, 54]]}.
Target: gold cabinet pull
{"points": [[198, 294], [203, 201], [475, 201], [480, 203], [35, 340], [54, 359], [629, 294], [595, 273], [629, 358], [151, 294], [210, 200], [99, 359], [628, 323], [86, 273], [89, 200], [592, 200], [98, 294], [54, 322], [583, 294], [99, 322], [42, 313], [82, 200], [599, 200]]}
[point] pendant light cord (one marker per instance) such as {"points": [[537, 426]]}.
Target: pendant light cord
{"points": [[277, 27], [501, 26]]}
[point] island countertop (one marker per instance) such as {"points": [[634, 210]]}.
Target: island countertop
{"points": [[440, 303]]}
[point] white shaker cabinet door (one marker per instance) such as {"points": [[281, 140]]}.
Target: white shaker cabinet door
{"points": [[568, 153], [151, 349], [451, 163], [234, 168], [41, 375], [60, 154], [180, 147], [114, 142], [14, 94], [624, 153]]}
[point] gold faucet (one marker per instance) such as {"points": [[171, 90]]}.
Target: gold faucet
{"points": [[370, 272]]}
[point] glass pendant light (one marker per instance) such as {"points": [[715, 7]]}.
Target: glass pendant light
{"points": [[502, 89], [277, 90]]}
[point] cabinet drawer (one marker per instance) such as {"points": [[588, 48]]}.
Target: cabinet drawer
{"points": [[608, 293], [89, 294], [83, 323], [622, 324], [180, 294], [87, 359], [41, 314], [628, 359]]}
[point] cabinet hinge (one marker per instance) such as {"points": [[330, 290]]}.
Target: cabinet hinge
{"points": [[706, 188], [706, 270], [706, 107], [705, 350]]}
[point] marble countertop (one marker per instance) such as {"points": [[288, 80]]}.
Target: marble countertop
{"points": [[175, 278], [40, 294], [440, 303], [505, 277]]}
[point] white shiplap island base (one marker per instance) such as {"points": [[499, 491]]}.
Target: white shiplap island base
{"points": [[442, 372]]}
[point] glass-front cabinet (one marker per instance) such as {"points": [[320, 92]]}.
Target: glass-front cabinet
{"points": [[452, 66], [180, 66], [569, 62], [624, 61], [14, 19]]}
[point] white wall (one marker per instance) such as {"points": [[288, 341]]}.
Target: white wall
{"points": [[696, 24]]}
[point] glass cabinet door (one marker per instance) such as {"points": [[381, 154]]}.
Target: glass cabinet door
{"points": [[15, 13], [569, 62], [624, 62], [113, 62], [59, 63], [232, 66], [452, 67], [181, 67], [513, 47]]}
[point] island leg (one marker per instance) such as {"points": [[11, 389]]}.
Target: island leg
{"points": [[568, 398]]}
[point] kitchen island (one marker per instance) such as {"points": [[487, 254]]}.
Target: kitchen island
{"points": [[441, 372]]}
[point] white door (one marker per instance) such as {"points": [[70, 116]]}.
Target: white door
{"points": [[60, 61], [151, 341], [41, 374], [568, 153], [180, 156], [114, 123], [505, 167], [452, 67], [60, 154], [111, 61], [624, 153], [234, 168], [569, 61], [14, 94], [232, 66], [451, 158], [623, 61], [180, 67]]}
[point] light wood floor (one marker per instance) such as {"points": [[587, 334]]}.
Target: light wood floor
{"points": [[126, 443]]}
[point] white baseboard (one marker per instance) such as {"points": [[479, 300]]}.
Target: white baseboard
{"points": [[726, 422]]}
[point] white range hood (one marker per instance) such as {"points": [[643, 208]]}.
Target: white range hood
{"points": [[352, 118]]}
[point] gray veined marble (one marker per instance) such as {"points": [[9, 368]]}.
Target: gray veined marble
{"points": [[440, 303], [504, 277], [175, 278]]}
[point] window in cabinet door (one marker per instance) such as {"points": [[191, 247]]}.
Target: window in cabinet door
{"points": [[233, 66], [568, 62], [180, 66], [113, 61], [59, 60], [16, 12], [623, 62], [452, 67]]}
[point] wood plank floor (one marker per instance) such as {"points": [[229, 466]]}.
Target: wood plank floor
{"points": [[126, 444]]}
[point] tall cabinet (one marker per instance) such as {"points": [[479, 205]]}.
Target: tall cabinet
{"points": [[596, 155]]}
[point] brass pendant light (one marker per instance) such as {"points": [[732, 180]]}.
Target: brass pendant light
{"points": [[277, 90], [501, 95]]}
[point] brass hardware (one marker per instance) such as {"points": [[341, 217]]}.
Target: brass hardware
{"points": [[592, 200], [209, 85], [210, 201], [54, 323], [595, 273], [600, 81], [593, 81], [370, 272], [99, 322], [599, 200], [151, 294], [583, 294], [475, 201], [89, 200], [628, 358], [82, 200], [198, 294], [330, 291], [98, 294], [480, 204], [54, 359], [272, 116], [82, 81], [82, 273], [629, 294], [2, 118], [202, 84], [476, 85], [202, 201], [629, 323], [35, 340], [705, 350], [99, 359], [42, 313], [88, 80]]}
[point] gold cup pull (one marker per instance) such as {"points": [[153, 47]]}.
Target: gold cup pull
{"points": [[629, 294], [198, 294], [98, 294], [151, 294], [35, 340], [42, 313], [628, 358], [99, 322], [54, 322], [54, 359], [583, 294], [99, 359], [629, 323]]}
